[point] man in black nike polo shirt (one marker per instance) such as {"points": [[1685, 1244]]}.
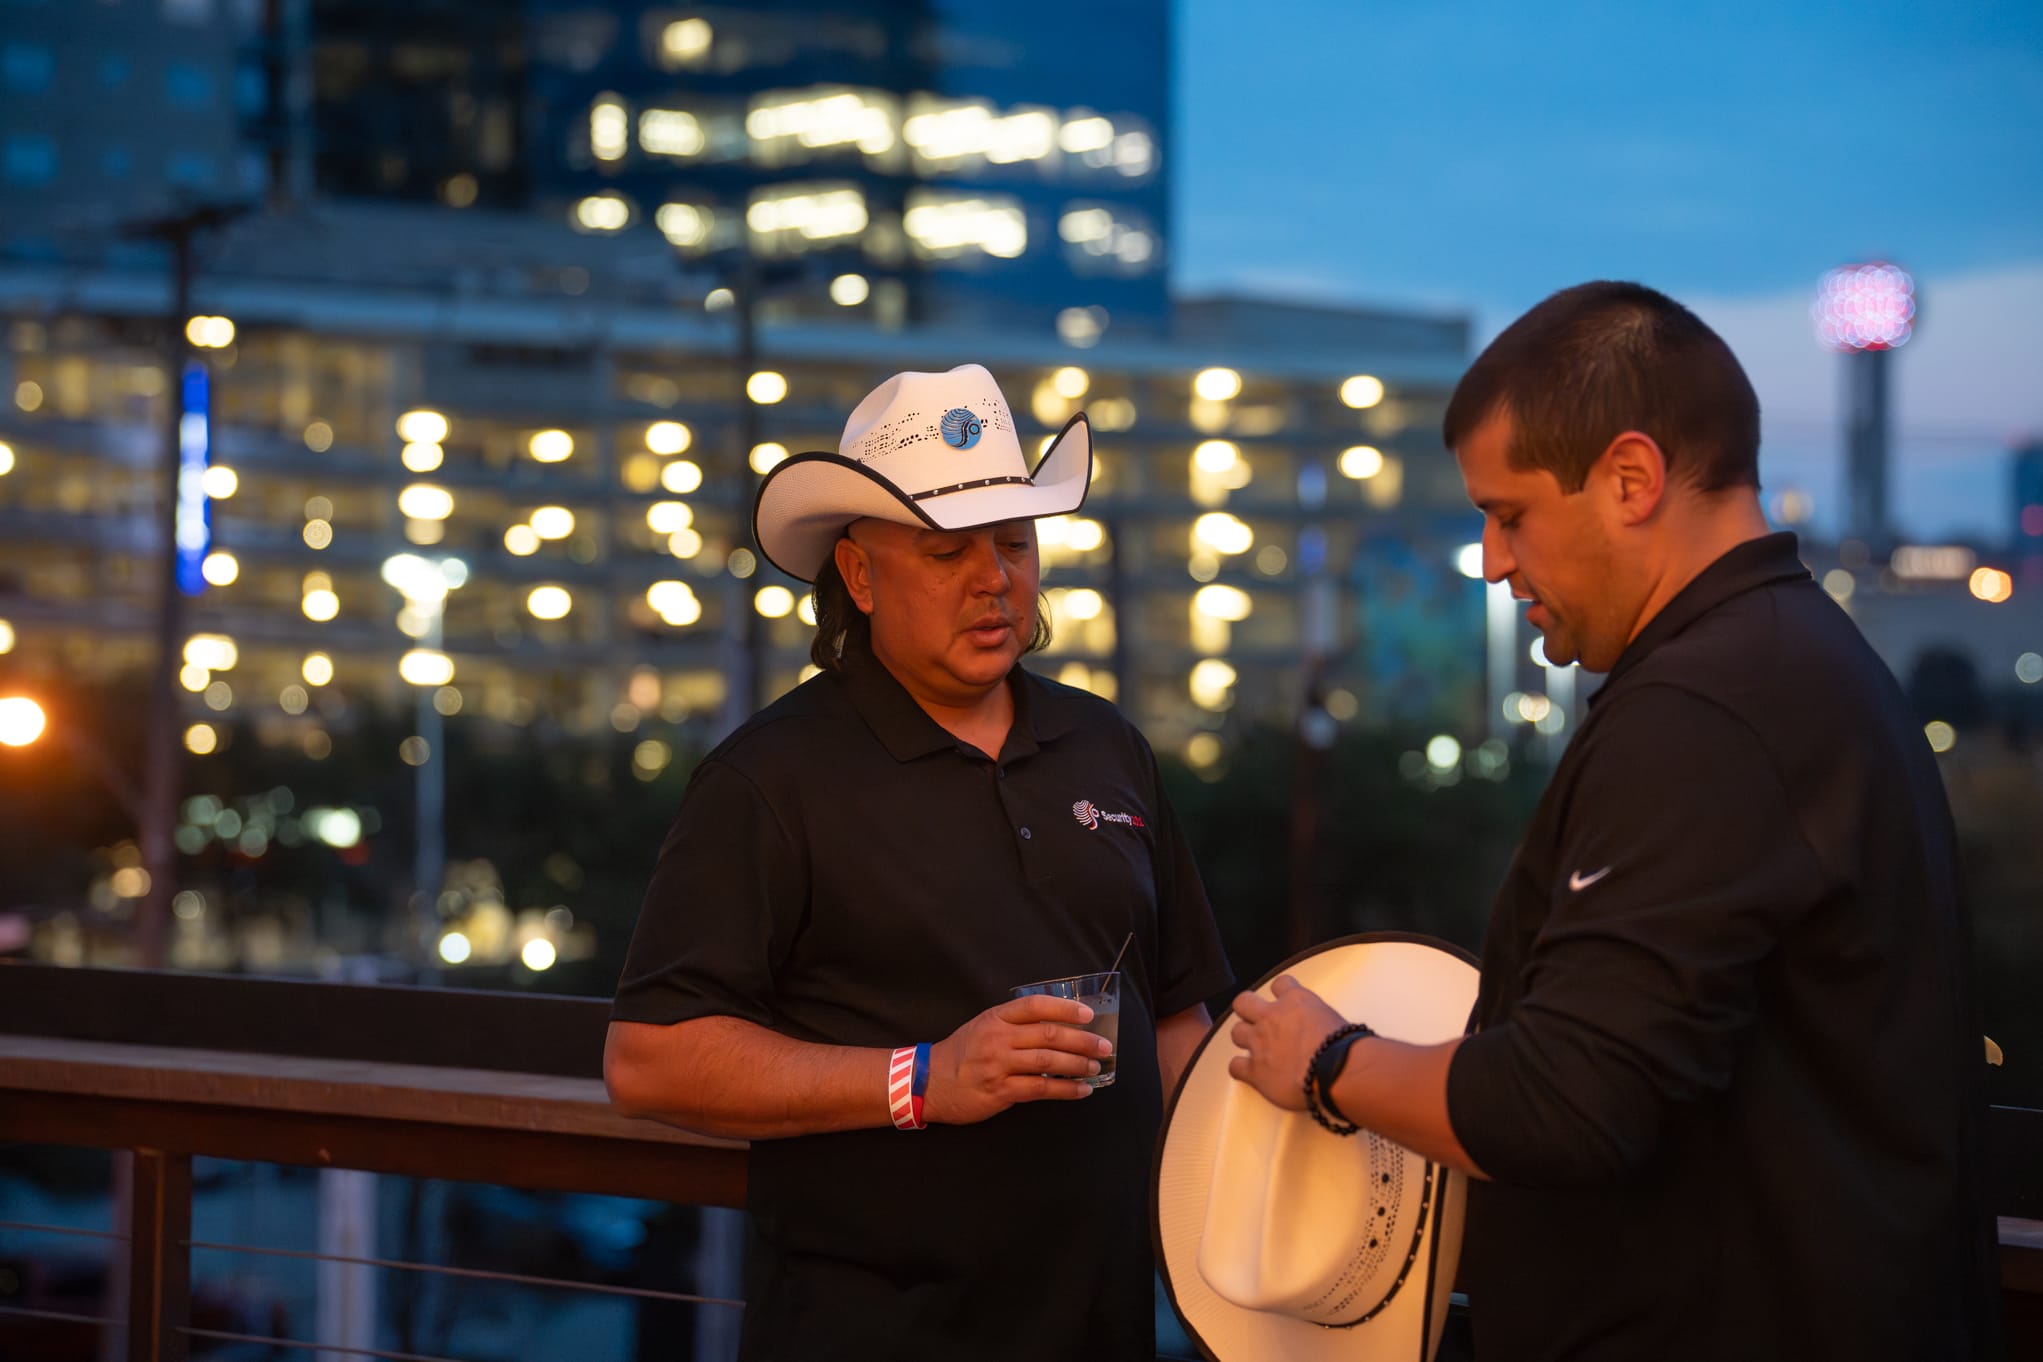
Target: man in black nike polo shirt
{"points": [[873, 862], [1724, 1099]]}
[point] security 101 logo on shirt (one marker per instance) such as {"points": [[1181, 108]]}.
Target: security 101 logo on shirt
{"points": [[1091, 816]]}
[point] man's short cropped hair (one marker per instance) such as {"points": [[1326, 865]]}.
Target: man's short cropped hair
{"points": [[1598, 359]]}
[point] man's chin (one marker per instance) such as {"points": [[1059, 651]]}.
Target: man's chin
{"points": [[984, 666]]}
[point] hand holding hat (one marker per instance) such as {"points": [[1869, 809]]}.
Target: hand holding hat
{"points": [[1278, 1037]]}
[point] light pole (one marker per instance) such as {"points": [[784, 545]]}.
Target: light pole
{"points": [[424, 583], [1316, 729], [156, 821], [749, 282], [748, 637]]}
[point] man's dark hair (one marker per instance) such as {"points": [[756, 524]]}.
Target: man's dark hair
{"points": [[844, 633], [1596, 360]]}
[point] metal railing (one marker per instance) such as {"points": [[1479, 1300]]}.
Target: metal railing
{"points": [[470, 1087], [491, 1088]]}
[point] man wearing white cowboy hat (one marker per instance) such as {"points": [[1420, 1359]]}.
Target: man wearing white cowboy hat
{"points": [[1725, 1088], [860, 875]]}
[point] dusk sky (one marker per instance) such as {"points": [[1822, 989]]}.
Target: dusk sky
{"points": [[1473, 157]]}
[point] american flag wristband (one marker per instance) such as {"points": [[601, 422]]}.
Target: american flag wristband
{"points": [[907, 1081]]}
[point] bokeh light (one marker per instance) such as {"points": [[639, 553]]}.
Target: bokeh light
{"points": [[426, 667], [553, 522], [1361, 462], [551, 446], [549, 602], [422, 426], [1362, 391], [22, 721], [668, 437], [1865, 307], [1991, 585]]}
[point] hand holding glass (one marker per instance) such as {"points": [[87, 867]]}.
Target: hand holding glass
{"points": [[1101, 993]]}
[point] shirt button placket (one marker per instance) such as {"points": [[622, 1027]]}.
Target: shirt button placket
{"points": [[1000, 777]]}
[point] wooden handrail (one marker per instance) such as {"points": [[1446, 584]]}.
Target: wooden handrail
{"points": [[404, 1092], [523, 1130]]}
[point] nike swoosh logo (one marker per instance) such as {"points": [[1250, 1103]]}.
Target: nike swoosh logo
{"points": [[1578, 881]]}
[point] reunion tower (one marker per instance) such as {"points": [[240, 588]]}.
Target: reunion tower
{"points": [[1867, 312]]}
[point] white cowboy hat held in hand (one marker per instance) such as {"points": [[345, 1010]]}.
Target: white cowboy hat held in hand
{"points": [[1281, 1240]]}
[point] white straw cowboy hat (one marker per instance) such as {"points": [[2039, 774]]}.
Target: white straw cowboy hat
{"points": [[934, 450], [1280, 1241]]}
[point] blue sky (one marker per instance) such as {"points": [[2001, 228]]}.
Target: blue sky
{"points": [[1476, 156]]}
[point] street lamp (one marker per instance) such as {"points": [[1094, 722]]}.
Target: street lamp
{"points": [[184, 445], [21, 721], [24, 723], [425, 583]]}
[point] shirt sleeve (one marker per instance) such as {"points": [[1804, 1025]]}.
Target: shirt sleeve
{"points": [[1192, 964], [727, 896], [1679, 867]]}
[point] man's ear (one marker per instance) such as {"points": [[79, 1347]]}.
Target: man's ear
{"points": [[855, 566], [1633, 474]]}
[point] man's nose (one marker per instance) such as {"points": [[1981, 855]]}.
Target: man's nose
{"points": [[1497, 561], [989, 570]]}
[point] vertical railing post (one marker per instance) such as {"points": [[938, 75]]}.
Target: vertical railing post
{"points": [[159, 1257]]}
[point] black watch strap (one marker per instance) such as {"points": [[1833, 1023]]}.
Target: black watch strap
{"points": [[1320, 1074]]}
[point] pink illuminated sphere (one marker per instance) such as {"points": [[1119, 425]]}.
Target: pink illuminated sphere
{"points": [[1865, 307]]}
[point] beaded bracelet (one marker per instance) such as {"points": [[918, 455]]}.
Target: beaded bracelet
{"points": [[1319, 1099]]}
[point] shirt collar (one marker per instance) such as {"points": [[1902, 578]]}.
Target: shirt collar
{"points": [[1752, 564], [1041, 712]]}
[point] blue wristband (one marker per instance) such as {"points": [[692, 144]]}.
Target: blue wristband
{"points": [[921, 1069]]}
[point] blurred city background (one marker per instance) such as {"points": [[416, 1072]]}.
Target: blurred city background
{"points": [[384, 387]]}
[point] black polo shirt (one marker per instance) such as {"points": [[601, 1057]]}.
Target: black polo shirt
{"points": [[845, 871], [1728, 1074]]}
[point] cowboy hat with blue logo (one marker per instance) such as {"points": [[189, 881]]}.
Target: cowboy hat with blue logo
{"points": [[933, 450]]}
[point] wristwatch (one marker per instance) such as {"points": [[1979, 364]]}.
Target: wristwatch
{"points": [[1320, 1074]]}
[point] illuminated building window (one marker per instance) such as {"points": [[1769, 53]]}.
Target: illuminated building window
{"points": [[1097, 240], [690, 226], [670, 132], [942, 224], [609, 129], [793, 220], [601, 213], [950, 134], [788, 127], [686, 42]]}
